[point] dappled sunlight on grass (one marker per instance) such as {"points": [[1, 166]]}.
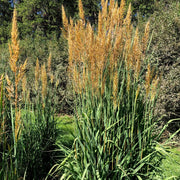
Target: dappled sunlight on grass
{"points": [[67, 126], [171, 164]]}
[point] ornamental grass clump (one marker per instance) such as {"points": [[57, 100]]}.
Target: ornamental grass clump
{"points": [[18, 71], [2, 121], [28, 129], [11, 111], [36, 148], [116, 89]]}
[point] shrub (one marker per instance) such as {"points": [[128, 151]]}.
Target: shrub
{"points": [[165, 43], [165, 49]]}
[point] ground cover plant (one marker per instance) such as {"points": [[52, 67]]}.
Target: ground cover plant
{"points": [[116, 89]]}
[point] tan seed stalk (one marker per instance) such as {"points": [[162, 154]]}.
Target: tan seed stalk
{"points": [[81, 11], [37, 71], [44, 80], [114, 40], [18, 71]]}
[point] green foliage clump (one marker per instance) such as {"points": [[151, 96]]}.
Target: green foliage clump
{"points": [[165, 49], [36, 147], [165, 24], [145, 8], [5, 20], [114, 113]]}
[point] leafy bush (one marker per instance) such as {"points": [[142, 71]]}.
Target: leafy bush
{"points": [[165, 24], [165, 47]]}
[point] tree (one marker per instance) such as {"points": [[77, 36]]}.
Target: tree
{"points": [[5, 20], [144, 7], [39, 16], [91, 9]]}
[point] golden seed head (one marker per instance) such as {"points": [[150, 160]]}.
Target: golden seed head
{"points": [[21, 72], [81, 11], [115, 88], [65, 22], [49, 63], [8, 80], [145, 37], [37, 74], [104, 9], [9, 88], [155, 83], [137, 54], [100, 28], [70, 49], [14, 46], [121, 11], [111, 5], [44, 80], [127, 20]]}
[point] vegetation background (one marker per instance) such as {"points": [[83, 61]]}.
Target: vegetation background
{"points": [[40, 34], [40, 25]]}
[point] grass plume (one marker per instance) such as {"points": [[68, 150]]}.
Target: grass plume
{"points": [[114, 113], [18, 70]]}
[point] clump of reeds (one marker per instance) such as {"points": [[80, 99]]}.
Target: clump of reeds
{"points": [[27, 128], [2, 122], [114, 41], [17, 69], [14, 115], [43, 75], [39, 131], [114, 113]]}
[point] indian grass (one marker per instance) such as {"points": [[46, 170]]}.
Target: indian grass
{"points": [[116, 89]]}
